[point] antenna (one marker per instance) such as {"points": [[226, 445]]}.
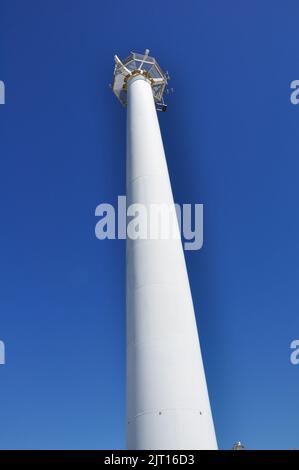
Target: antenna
{"points": [[146, 53]]}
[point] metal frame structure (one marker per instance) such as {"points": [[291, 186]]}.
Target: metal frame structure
{"points": [[139, 64]]}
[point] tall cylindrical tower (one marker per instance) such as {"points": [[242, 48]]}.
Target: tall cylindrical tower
{"points": [[167, 399]]}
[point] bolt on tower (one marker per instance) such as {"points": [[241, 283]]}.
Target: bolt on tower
{"points": [[167, 398]]}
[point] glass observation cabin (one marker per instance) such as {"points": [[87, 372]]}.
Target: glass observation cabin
{"points": [[139, 64]]}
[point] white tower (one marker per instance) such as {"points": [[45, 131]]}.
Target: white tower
{"points": [[167, 398]]}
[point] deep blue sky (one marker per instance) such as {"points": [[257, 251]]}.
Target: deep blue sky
{"points": [[231, 139]]}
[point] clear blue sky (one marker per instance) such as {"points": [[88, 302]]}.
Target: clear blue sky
{"points": [[231, 138]]}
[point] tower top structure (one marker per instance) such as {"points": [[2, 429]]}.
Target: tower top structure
{"points": [[139, 65]]}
